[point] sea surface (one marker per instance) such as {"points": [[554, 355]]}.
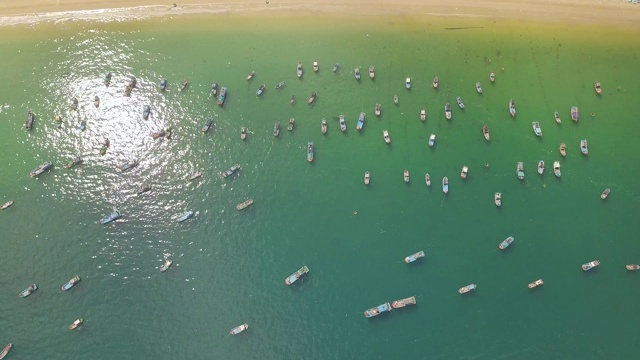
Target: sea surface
{"points": [[229, 266]]}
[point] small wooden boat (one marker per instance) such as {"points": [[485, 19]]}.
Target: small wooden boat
{"points": [[163, 85], [207, 125], [375, 311], [540, 167], [6, 205], [445, 185], [74, 104], [485, 132], [574, 113], [115, 215], [167, 264], [194, 176], [245, 204], [556, 169], [427, 179], [372, 72], [77, 161], [96, 101], [407, 83], [296, 275], [505, 243], [466, 289], [231, 170], [292, 123], [584, 147], [435, 82], [406, 176], [367, 177], [413, 257], [556, 116], [378, 109], [299, 70], [478, 87], [28, 291], [492, 77], [512, 107], [250, 75], [145, 187], [395, 99], [58, 118], [292, 100], [497, 198], [563, 149], [464, 171], [310, 151], [186, 215], [520, 170], [280, 85], [360, 123], [28, 124], [323, 126], [75, 324], [214, 89], [385, 135], [315, 66], [343, 124], [146, 111], [423, 114], [243, 133], [432, 140], [107, 79], [605, 193], [158, 134], [183, 85], [42, 168], [356, 73], [128, 165], [312, 98], [335, 67], [6, 350], [535, 283], [590, 265], [260, 90], [447, 111], [71, 283], [130, 86], [82, 125], [403, 302], [536, 128], [103, 150], [276, 129], [633, 267], [597, 88], [222, 96], [459, 101], [238, 329]]}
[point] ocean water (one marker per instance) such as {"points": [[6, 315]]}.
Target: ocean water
{"points": [[229, 266]]}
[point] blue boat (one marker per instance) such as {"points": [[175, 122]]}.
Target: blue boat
{"points": [[356, 72], [445, 185], [360, 121], [375, 311], [163, 84], [82, 125], [407, 83], [207, 125], [71, 283], [107, 79], [296, 275], [42, 168], [129, 165], [28, 291], [185, 216], [413, 257], [146, 111], [115, 215], [235, 167], [222, 96]]}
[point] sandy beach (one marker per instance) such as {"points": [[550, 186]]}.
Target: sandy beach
{"points": [[617, 13]]}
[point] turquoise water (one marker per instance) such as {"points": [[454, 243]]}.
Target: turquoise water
{"points": [[229, 266]]}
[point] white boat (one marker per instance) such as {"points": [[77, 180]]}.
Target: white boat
{"points": [[366, 178], [377, 110], [407, 83], [385, 134], [520, 170], [315, 66], [323, 126], [435, 82], [432, 140], [466, 289], [6, 205], [395, 99], [423, 115], [536, 128], [556, 169], [372, 73], [535, 283], [447, 111], [540, 167], [427, 179], [478, 87], [492, 77], [406, 176], [356, 72], [464, 171], [413, 257], [512, 108], [343, 124], [238, 329], [584, 147], [556, 116], [459, 101], [299, 70], [590, 265], [497, 198], [445, 185]]}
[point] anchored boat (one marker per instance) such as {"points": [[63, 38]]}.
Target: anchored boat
{"points": [[385, 135], [250, 75], [323, 126], [315, 66], [356, 73], [497, 198], [485, 132], [556, 169], [296, 275], [447, 111], [536, 128], [584, 147], [166, 265], [492, 77], [185, 216], [42, 168], [406, 176], [243, 133], [6, 350], [435, 82], [360, 123], [163, 84], [260, 90], [512, 108], [115, 215], [535, 283], [413, 257], [378, 110], [563, 149], [540, 167], [292, 123], [574, 113], [77, 161], [463, 173], [432, 140], [71, 283], [407, 83], [633, 267], [231, 170], [207, 125], [28, 291], [556, 116], [427, 179], [6, 205], [520, 170], [372, 73], [459, 101], [466, 289], [367, 177], [605, 193], [423, 114], [590, 265], [146, 111], [478, 87], [75, 324], [403, 302], [194, 176], [299, 70], [238, 329], [276, 129], [107, 79], [310, 151], [505, 243], [597, 88], [222, 96], [375, 311], [445, 185], [343, 124], [312, 98]]}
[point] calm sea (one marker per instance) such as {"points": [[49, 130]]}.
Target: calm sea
{"points": [[229, 266]]}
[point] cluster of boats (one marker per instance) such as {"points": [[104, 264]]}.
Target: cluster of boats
{"points": [[386, 307]]}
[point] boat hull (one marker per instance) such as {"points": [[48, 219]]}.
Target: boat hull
{"points": [[403, 302], [375, 311]]}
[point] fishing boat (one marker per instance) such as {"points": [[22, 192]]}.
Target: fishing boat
{"points": [[403, 302], [427, 179], [42, 168], [158, 134], [556, 169], [447, 111], [250, 75], [276, 129], [82, 125], [445, 185], [292, 123], [78, 160], [574, 113], [163, 84], [432, 140], [497, 198], [512, 107], [145, 187], [492, 77], [478, 87], [96, 101], [335, 67], [466, 289], [435, 82], [238, 329], [129, 165], [183, 85], [186, 215], [464, 171], [563, 149], [356, 72], [245, 204], [343, 124], [584, 147], [413, 257], [375, 311], [535, 283], [292, 100], [367, 177], [6, 350], [395, 99], [74, 104], [505, 243], [423, 114], [167, 264], [312, 98], [243, 133], [194, 176], [103, 150], [360, 121], [605, 193], [280, 85], [485, 132], [6, 205], [372, 73], [310, 151], [385, 135], [28, 291], [146, 111], [75, 324], [633, 267], [115, 215], [222, 96], [590, 265], [597, 88], [207, 125], [520, 170], [28, 124], [71, 283], [536, 128], [540, 167], [130, 86], [299, 70], [107, 79], [58, 118], [460, 103], [406, 176], [378, 109], [315, 66], [214, 89], [556, 116], [323, 126], [260, 90], [407, 83], [296, 275], [231, 170]]}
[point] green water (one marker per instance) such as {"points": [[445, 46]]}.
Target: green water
{"points": [[229, 266]]}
